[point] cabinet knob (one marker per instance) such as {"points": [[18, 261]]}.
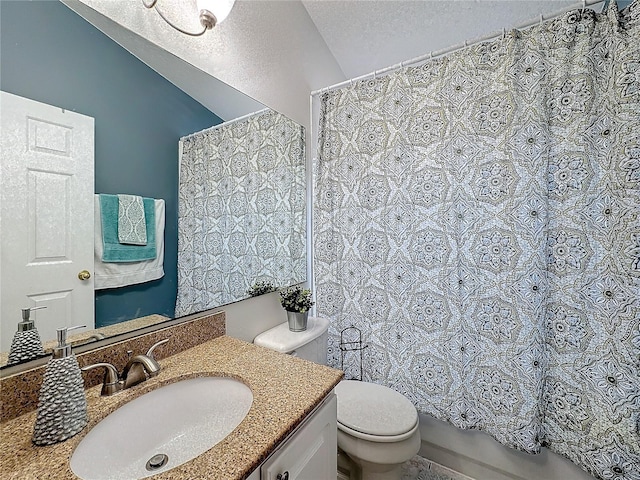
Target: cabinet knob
{"points": [[283, 476]]}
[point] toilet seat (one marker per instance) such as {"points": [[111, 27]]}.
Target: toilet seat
{"points": [[377, 438], [374, 412]]}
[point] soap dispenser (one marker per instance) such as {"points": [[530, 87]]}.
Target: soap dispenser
{"points": [[62, 407], [26, 343]]}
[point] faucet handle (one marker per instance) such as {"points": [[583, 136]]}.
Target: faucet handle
{"points": [[153, 347], [111, 382]]}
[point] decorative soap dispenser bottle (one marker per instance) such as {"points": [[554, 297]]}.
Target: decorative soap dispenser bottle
{"points": [[62, 407], [26, 343]]}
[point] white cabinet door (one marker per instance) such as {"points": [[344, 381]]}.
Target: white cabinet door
{"points": [[46, 216], [310, 453]]}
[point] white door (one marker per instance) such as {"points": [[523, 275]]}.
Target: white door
{"points": [[46, 216]]}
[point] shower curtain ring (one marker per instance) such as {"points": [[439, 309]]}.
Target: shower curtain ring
{"points": [[541, 19], [584, 7], [431, 55], [504, 33]]}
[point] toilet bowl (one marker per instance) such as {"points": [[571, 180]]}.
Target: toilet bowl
{"points": [[377, 426]]}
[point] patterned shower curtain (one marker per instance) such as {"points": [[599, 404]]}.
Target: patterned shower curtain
{"points": [[241, 210], [477, 218]]}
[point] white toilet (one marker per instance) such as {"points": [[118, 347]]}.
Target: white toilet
{"points": [[377, 426]]}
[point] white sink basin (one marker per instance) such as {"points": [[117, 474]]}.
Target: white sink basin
{"points": [[181, 421]]}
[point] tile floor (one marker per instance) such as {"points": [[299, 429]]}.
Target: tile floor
{"points": [[419, 468]]}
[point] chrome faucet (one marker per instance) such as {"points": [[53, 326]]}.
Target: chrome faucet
{"points": [[137, 370], [141, 367], [111, 383]]}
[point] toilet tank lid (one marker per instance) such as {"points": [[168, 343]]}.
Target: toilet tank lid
{"points": [[283, 340]]}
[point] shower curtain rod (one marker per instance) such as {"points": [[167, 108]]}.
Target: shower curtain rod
{"points": [[584, 4], [227, 123]]}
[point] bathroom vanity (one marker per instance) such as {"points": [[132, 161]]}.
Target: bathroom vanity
{"points": [[309, 452], [289, 430]]}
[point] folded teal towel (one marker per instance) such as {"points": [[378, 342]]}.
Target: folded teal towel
{"points": [[114, 251]]}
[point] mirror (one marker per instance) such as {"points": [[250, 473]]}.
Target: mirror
{"points": [[139, 120]]}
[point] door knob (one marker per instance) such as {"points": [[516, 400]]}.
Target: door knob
{"points": [[84, 275]]}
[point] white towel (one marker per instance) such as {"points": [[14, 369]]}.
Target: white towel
{"points": [[113, 275], [132, 228]]}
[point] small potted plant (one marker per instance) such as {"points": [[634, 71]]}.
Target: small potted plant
{"points": [[297, 302], [260, 288]]}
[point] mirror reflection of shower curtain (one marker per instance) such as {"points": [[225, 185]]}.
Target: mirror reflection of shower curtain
{"points": [[477, 218], [241, 210]]}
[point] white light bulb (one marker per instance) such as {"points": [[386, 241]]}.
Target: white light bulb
{"points": [[219, 8]]}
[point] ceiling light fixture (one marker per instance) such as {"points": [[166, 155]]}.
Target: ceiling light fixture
{"points": [[212, 12]]}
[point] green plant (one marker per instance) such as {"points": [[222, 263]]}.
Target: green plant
{"points": [[296, 299], [260, 288]]}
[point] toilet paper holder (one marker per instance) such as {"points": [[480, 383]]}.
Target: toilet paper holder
{"points": [[351, 341]]}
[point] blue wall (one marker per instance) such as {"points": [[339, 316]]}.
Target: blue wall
{"points": [[50, 54]]}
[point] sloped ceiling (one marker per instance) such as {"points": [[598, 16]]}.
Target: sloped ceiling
{"points": [[269, 50], [278, 51]]}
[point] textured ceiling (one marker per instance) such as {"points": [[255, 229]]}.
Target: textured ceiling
{"points": [[364, 36], [278, 51]]}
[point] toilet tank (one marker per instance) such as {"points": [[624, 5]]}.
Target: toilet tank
{"points": [[310, 344]]}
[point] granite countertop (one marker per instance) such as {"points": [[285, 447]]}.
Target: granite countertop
{"points": [[273, 414]]}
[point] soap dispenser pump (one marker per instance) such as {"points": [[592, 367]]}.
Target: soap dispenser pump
{"points": [[26, 343], [62, 407]]}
